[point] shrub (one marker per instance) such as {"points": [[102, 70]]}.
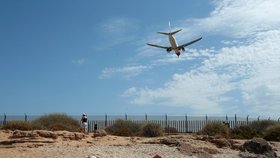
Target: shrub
{"points": [[215, 129], [255, 129], [243, 132], [170, 130], [151, 130], [124, 128], [18, 125], [58, 127], [261, 126], [57, 122], [272, 133]]}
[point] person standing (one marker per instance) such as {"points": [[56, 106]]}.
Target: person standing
{"points": [[84, 123]]}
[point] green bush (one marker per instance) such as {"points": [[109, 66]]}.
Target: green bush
{"points": [[151, 130], [124, 128], [243, 132], [272, 133], [215, 129], [56, 122], [18, 125]]}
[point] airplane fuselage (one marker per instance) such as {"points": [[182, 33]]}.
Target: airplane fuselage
{"points": [[174, 44]]}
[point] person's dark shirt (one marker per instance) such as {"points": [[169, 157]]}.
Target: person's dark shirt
{"points": [[84, 119]]}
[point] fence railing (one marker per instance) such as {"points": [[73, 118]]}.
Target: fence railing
{"points": [[183, 124]]}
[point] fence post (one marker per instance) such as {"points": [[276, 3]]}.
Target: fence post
{"points": [[187, 124], [226, 118], [247, 119], [25, 117], [259, 118], [5, 119], [105, 120], [165, 120], [235, 120], [146, 117], [125, 116], [206, 118]]}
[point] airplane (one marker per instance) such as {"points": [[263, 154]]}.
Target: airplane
{"points": [[174, 46]]}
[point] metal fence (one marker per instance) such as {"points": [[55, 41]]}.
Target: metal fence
{"points": [[183, 124]]}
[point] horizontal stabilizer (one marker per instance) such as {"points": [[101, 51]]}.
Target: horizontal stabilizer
{"points": [[171, 33]]}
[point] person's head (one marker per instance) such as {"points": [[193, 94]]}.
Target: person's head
{"points": [[84, 114]]}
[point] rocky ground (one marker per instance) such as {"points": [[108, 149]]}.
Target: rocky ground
{"points": [[62, 144]]}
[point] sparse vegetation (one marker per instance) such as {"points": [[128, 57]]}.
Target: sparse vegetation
{"points": [[272, 133], [18, 125], [243, 132], [130, 128], [124, 128], [151, 130], [255, 129], [261, 126], [56, 122], [215, 129], [170, 130]]}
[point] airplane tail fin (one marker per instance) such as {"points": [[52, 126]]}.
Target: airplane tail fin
{"points": [[170, 33]]}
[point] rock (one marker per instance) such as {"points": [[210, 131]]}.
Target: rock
{"points": [[204, 137], [221, 143], [71, 135], [23, 140], [23, 134], [99, 133], [169, 142], [188, 150], [79, 136], [47, 134], [258, 146], [157, 156]]}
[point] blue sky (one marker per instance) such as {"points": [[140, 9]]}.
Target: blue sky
{"points": [[91, 56]]}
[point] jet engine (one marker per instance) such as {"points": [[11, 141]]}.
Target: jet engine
{"points": [[183, 49], [169, 50]]}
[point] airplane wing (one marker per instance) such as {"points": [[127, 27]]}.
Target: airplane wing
{"points": [[164, 47], [189, 43]]}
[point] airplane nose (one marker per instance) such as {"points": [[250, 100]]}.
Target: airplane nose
{"points": [[178, 54]]}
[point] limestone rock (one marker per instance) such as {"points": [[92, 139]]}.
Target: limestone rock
{"points": [[221, 142], [24, 134], [46, 134], [70, 135], [259, 147], [99, 133], [187, 149], [169, 142]]}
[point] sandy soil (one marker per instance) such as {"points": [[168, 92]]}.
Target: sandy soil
{"points": [[111, 147]]}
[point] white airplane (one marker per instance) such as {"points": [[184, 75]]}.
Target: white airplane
{"points": [[174, 46]]}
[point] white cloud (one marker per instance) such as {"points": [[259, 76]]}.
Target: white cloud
{"points": [[79, 61], [244, 72], [118, 30], [238, 18], [127, 72]]}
